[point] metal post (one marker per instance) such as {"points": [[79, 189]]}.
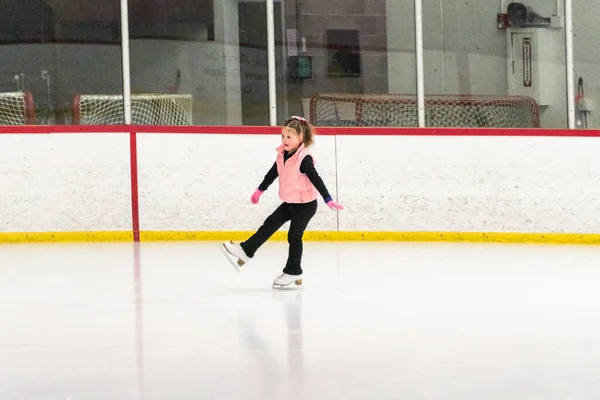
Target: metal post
{"points": [[271, 63], [419, 62], [125, 60], [569, 56], [284, 55]]}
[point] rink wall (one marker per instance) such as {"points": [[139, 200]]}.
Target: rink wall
{"points": [[193, 183]]}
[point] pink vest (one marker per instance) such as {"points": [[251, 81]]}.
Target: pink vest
{"points": [[294, 186]]}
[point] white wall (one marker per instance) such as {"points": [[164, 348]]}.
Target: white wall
{"points": [[202, 182], [65, 182], [469, 184]]}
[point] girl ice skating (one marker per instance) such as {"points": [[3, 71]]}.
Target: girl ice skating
{"points": [[299, 187]]}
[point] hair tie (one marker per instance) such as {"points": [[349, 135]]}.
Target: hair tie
{"points": [[299, 118]]}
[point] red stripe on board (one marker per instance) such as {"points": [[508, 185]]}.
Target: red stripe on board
{"points": [[135, 213], [480, 132], [100, 129], [274, 130], [46, 129]]}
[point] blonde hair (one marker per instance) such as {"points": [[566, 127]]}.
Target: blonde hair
{"points": [[302, 127]]}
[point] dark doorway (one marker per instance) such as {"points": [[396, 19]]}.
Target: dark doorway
{"points": [[254, 78]]}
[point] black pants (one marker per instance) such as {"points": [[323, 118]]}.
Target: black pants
{"points": [[299, 215]]}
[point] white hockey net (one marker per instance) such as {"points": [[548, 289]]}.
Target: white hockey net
{"points": [[400, 110], [146, 109], [16, 108]]}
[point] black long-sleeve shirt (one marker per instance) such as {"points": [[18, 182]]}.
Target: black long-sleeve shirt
{"points": [[306, 167]]}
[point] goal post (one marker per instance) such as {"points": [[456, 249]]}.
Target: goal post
{"points": [[17, 108], [400, 110], [146, 109]]}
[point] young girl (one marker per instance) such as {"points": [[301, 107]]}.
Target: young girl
{"points": [[298, 186]]}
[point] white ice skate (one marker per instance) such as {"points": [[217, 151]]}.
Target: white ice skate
{"points": [[284, 281], [235, 254]]}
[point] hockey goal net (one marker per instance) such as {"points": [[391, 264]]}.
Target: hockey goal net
{"points": [[400, 110], [16, 108], [146, 109]]}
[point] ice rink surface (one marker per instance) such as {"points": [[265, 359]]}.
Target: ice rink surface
{"points": [[170, 321]]}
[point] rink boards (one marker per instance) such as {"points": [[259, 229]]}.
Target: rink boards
{"points": [[194, 183]]}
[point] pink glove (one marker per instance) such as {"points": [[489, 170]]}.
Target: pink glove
{"points": [[255, 196], [334, 206]]}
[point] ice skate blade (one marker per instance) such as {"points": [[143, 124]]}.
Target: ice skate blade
{"points": [[294, 285], [233, 260]]}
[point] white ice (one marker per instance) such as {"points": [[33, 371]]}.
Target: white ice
{"points": [[170, 321]]}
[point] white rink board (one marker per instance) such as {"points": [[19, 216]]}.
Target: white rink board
{"points": [[469, 183], [65, 182], [204, 182]]}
